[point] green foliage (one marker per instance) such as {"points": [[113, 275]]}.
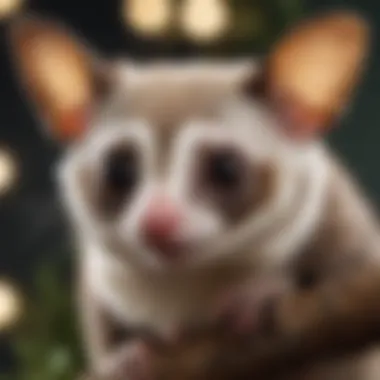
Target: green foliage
{"points": [[256, 23], [46, 343]]}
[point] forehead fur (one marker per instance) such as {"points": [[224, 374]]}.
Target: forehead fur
{"points": [[169, 93]]}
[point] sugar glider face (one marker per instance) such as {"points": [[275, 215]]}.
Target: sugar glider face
{"points": [[169, 170], [173, 164], [181, 167]]}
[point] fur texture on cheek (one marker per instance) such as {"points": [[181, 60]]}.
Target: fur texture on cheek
{"points": [[201, 226], [73, 195], [128, 226]]}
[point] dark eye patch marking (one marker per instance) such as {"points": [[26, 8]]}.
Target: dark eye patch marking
{"points": [[224, 169], [231, 182], [119, 176], [111, 185]]}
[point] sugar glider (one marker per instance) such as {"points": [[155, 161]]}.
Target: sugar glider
{"points": [[200, 189]]}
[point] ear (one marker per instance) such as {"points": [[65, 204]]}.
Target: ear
{"points": [[311, 73], [62, 77]]}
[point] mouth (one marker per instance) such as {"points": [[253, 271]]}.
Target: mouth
{"points": [[172, 252], [175, 252]]}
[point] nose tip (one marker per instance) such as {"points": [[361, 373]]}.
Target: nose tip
{"points": [[160, 225]]}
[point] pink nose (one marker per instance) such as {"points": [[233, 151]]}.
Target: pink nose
{"points": [[160, 225]]}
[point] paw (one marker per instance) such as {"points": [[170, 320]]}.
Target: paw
{"points": [[130, 362], [175, 334], [249, 308]]}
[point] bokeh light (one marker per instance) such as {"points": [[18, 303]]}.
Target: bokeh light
{"points": [[10, 7], [204, 20], [10, 305], [8, 171], [149, 17]]}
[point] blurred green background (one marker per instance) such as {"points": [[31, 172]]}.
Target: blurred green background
{"points": [[38, 336]]}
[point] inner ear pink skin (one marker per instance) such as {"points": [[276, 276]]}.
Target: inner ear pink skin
{"points": [[73, 123], [299, 121], [160, 226]]}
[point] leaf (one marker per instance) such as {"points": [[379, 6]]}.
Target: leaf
{"points": [[47, 344]]}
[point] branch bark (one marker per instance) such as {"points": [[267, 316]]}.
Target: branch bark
{"points": [[314, 326], [311, 327]]}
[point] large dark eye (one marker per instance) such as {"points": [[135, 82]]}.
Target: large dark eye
{"points": [[121, 171], [224, 169]]}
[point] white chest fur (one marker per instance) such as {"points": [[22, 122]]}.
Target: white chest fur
{"points": [[157, 302]]}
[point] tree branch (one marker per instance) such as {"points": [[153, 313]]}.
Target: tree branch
{"points": [[314, 326]]}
